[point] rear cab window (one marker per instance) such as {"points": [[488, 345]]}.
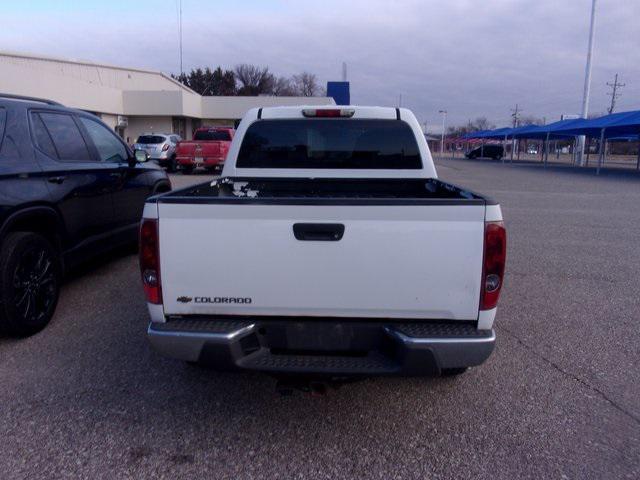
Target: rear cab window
{"points": [[329, 144], [221, 135], [150, 139]]}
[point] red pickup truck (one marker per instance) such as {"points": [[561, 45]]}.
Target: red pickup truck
{"points": [[208, 149]]}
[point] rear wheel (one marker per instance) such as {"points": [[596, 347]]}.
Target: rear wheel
{"points": [[187, 170], [30, 277]]}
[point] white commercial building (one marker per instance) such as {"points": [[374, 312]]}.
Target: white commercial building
{"points": [[130, 100]]}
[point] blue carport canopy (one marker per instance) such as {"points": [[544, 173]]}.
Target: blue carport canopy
{"points": [[539, 132], [498, 133], [475, 134], [515, 132], [614, 125]]}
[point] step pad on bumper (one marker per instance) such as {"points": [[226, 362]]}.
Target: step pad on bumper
{"points": [[369, 364], [326, 346]]}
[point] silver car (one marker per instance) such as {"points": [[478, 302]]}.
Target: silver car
{"points": [[161, 148]]}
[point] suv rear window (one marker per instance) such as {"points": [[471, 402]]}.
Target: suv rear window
{"points": [[222, 135], [149, 139], [329, 143]]}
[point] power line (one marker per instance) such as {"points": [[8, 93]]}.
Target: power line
{"points": [[614, 94]]}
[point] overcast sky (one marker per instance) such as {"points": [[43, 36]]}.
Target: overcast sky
{"points": [[470, 57]]}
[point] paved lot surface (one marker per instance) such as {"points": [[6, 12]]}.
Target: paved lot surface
{"points": [[560, 397]]}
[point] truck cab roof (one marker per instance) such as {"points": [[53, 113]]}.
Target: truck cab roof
{"points": [[329, 142]]}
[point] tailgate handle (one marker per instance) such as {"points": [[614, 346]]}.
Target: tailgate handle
{"points": [[322, 232]]}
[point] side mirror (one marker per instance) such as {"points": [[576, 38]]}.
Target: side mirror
{"points": [[141, 156]]}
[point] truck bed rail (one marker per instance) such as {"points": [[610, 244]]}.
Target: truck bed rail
{"points": [[326, 190]]}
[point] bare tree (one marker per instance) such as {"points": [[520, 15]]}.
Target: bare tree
{"points": [[306, 84], [480, 123], [283, 87], [254, 80], [530, 120]]}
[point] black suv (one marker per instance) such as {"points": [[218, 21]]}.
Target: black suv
{"points": [[69, 188], [488, 151]]}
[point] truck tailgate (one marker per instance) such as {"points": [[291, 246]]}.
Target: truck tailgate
{"points": [[396, 261], [198, 148]]}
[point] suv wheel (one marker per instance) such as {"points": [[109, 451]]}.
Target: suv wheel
{"points": [[30, 277]]}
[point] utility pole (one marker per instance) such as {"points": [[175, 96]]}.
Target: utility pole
{"points": [[180, 33], [587, 81], [614, 94], [444, 117], [516, 115]]}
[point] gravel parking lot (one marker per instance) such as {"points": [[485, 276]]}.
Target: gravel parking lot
{"points": [[558, 399]]}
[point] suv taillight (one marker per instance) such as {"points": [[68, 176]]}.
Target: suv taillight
{"points": [[165, 147], [495, 254], [150, 260]]}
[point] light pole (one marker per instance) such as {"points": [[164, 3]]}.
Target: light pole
{"points": [[587, 81], [444, 117]]}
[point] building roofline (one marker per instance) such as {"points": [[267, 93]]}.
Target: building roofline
{"points": [[32, 56], [181, 85]]}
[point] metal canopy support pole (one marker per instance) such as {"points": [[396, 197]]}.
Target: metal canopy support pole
{"points": [[588, 150], [601, 152], [518, 151], [504, 148], [482, 148], [546, 150], [513, 142], [587, 81], [555, 145]]}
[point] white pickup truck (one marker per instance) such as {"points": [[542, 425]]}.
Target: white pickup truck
{"points": [[328, 246]]}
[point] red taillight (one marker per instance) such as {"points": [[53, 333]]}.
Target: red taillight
{"points": [[165, 147], [495, 254], [328, 112], [150, 260]]}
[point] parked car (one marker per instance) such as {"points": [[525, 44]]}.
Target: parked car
{"points": [[487, 151], [161, 148], [532, 150], [69, 188], [340, 253], [208, 149]]}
